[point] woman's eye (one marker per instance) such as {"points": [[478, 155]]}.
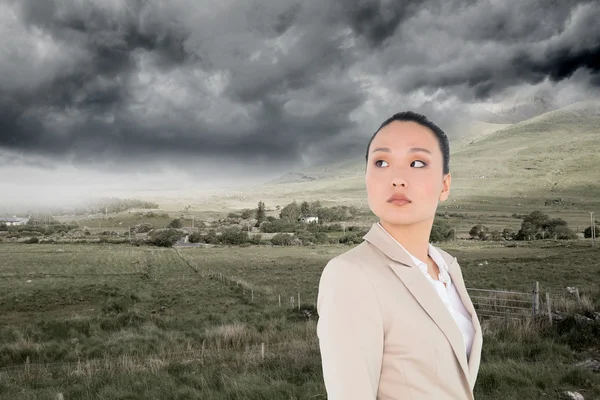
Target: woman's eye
{"points": [[417, 161], [380, 162]]}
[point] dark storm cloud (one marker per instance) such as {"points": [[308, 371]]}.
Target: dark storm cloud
{"points": [[137, 81], [375, 20], [509, 44]]}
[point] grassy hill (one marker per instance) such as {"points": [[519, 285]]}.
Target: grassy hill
{"points": [[553, 155]]}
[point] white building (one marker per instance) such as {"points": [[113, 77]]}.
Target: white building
{"points": [[308, 220], [13, 221]]}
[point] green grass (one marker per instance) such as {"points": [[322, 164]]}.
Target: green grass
{"points": [[122, 322]]}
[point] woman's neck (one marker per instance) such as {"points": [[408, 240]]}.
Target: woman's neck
{"points": [[414, 238]]}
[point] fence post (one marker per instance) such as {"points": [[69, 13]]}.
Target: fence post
{"points": [[577, 295], [298, 300], [535, 301], [549, 308], [280, 300], [252, 295], [292, 301]]}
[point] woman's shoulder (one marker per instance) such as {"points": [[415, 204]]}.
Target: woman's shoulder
{"points": [[356, 255]]}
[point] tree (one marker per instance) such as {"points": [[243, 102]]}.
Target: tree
{"points": [[304, 209], [260, 213], [291, 212], [314, 207], [535, 223], [555, 227]]}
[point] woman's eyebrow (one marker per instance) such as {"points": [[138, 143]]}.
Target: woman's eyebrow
{"points": [[412, 150], [419, 149]]}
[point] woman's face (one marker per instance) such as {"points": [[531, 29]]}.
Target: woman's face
{"points": [[405, 159]]}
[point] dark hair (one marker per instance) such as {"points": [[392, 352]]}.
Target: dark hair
{"points": [[410, 116]]}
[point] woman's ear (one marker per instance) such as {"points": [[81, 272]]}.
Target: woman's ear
{"points": [[445, 187]]}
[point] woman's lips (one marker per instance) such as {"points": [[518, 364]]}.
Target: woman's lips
{"points": [[399, 199]]}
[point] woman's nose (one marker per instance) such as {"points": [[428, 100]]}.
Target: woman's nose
{"points": [[398, 182]]}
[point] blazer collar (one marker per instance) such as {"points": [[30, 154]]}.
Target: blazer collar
{"points": [[378, 237], [418, 285]]}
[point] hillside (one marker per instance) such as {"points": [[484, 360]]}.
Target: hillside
{"points": [[549, 156], [460, 136]]}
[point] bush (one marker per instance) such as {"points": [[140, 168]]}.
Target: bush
{"points": [[176, 224], [564, 233], [587, 233], [441, 231], [196, 237], [234, 237], [256, 239], [321, 238], [305, 237], [165, 238], [142, 228], [247, 213], [282, 239], [479, 232], [279, 226], [32, 240], [351, 238], [508, 234]]}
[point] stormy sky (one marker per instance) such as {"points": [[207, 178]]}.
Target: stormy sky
{"points": [[148, 94]]}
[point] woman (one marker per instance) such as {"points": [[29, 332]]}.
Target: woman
{"points": [[395, 320]]}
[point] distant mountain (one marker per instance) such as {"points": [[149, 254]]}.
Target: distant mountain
{"points": [[518, 111], [551, 155], [460, 136]]}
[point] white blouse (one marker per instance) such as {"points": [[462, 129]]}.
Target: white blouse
{"points": [[448, 294]]}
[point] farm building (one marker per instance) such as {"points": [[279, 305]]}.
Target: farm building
{"points": [[11, 221], [308, 220]]}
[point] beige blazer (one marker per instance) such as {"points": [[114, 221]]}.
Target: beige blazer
{"points": [[384, 333]]}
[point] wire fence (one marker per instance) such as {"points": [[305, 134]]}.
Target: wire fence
{"points": [[488, 303]]}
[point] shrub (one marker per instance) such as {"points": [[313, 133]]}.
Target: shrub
{"points": [[234, 237], [256, 239], [479, 231], [176, 224], [587, 233], [196, 237], [32, 240], [305, 237], [142, 228], [321, 238], [279, 226], [165, 238], [282, 239], [441, 231], [351, 238]]}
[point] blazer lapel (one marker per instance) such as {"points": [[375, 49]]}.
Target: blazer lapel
{"points": [[459, 283], [418, 285]]}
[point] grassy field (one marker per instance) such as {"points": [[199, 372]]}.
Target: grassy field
{"points": [[121, 322]]}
